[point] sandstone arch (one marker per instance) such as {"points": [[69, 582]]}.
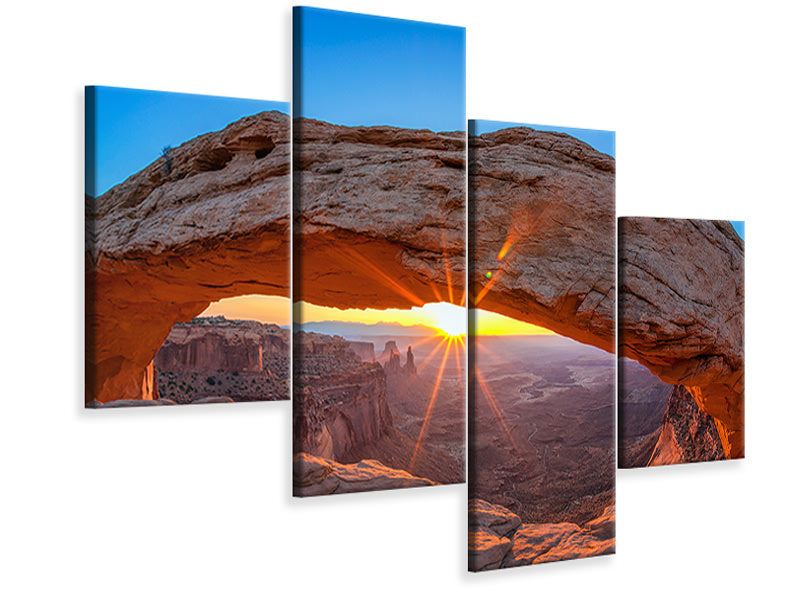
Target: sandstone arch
{"points": [[206, 221], [363, 239], [682, 312]]}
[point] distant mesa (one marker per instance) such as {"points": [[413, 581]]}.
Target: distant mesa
{"points": [[388, 350], [213, 357]]}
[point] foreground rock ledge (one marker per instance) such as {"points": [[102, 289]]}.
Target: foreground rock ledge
{"points": [[209, 220], [497, 538], [314, 476]]}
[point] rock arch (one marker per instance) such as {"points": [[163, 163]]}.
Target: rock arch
{"points": [[166, 242], [206, 221]]}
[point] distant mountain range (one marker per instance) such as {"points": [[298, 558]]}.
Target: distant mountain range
{"points": [[349, 329]]}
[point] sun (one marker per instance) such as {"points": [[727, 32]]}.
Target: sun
{"points": [[449, 318]]}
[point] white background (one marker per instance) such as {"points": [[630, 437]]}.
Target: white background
{"points": [[194, 503]]}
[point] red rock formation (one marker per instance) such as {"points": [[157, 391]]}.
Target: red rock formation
{"points": [[682, 312], [364, 350], [542, 232], [687, 433], [394, 224], [313, 476], [172, 238], [212, 343], [342, 405], [497, 538], [409, 368], [389, 349]]}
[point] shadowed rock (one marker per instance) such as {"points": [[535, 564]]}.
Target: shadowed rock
{"points": [[206, 221], [682, 312]]}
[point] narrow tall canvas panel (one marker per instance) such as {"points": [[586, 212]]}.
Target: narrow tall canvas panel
{"points": [[379, 253], [542, 329], [187, 248], [681, 341]]}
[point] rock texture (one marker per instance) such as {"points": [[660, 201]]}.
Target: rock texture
{"points": [[208, 220], [382, 207], [542, 232], [314, 476], [393, 365], [497, 538], [213, 343], [682, 312], [687, 433], [340, 402], [244, 361]]}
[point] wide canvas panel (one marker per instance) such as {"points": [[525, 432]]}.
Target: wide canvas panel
{"points": [[187, 248], [542, 329], [681, 341], [379, 253]]}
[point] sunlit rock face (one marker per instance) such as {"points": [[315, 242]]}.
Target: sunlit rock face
{"points": [[313, 476], [209, 221], [682, 312], [498, 538], [544, 237], [211, 343], [379, 215], [687, 433]]}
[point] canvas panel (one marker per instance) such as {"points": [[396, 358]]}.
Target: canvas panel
{"points": [[187, 248], [681, 341], [542, 367], [379, 253]]}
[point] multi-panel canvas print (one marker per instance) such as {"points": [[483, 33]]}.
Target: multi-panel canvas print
{"points": [[542, 329], [379, 253], [681, 341], [187, 248]]}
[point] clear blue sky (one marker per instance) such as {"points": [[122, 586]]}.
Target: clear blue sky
{"points": [[130, 127], [603, 141], [739, 227], [353, 69]]}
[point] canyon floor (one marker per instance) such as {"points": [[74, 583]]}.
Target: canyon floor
{"points": [[542, 460], [543, 443]]}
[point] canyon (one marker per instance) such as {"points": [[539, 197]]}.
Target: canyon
{"points": [[348, 411], [542, 425], [215, 357]]}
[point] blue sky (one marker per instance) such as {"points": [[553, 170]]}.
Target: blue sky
{"points": [[353, 69], [739, 227], [130, 127], [603, 141]]}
